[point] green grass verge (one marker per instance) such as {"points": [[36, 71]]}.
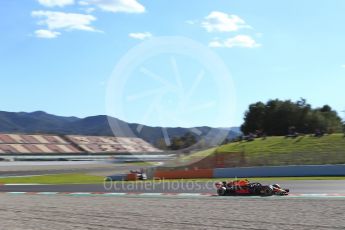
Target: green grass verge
{"points": [[89, 179], [303, 150], [54, 179], [281, 145], [199, 154], [140, 163]]}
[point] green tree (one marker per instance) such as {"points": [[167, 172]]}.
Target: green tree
{"points": [[277, 117], [185, 141]]}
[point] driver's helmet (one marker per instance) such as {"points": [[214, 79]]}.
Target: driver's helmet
{"points": [[276, 186], [218, 184]]}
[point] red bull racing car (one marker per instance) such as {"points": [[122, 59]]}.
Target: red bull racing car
{"points": [[244, 187]]}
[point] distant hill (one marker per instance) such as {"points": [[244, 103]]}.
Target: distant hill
{"points": [[41, 122]]}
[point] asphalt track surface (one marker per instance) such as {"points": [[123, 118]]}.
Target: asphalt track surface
{"points": [[296, 187], [42, 170], [63, 171], [134, 211], [78, 212]]}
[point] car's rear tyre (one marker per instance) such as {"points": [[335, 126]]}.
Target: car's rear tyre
{"points": [[221, 191]]}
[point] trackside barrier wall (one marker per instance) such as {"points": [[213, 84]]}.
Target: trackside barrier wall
{"points": [[131, 177], [184, 174], [281, 171]]}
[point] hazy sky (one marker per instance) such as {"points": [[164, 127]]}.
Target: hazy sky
{"points": [[59, 55]]}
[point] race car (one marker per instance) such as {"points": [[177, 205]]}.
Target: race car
{"points": [[245, 188], [141, 175]]}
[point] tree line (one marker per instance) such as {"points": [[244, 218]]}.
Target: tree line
{"points": [[278, 117], [273, 118], [178, 142]]}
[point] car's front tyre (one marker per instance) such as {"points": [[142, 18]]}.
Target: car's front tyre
{"points": [[266, 191]]}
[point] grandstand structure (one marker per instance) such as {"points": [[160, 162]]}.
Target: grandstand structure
{"points": [[97, 144], [40, 144], [71, 144]]}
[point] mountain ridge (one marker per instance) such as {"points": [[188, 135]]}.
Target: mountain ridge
{"points": [[98, 125]]}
